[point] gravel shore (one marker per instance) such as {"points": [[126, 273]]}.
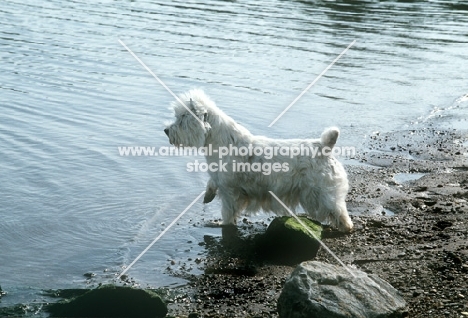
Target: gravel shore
{"points": [[408, 199]]}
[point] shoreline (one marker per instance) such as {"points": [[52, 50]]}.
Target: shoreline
{"points": [[408, 200], [410, 190]]}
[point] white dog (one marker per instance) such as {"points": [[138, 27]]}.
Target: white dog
{"points": [[318, 183]]}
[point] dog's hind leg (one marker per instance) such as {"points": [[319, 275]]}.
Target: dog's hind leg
{"points": [[318, 203], [342, 220], [211, 189], [309, 200], [325, 206]]}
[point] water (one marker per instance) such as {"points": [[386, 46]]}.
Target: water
{"points": [[70, 94], [407, 177]]}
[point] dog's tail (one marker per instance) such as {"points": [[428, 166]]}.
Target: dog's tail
{"points": [[329, 137]]}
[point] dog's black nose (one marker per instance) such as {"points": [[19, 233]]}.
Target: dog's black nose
{"points": [[167, 131]]}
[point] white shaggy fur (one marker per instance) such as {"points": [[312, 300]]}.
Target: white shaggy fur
{"points": [[318, 184]]}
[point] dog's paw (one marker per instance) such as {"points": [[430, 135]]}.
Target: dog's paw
{"points": [[345, 224], [214, 224], [209, 196]]}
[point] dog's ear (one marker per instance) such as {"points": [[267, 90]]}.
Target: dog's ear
{"points": [[192, 107], [205, 116]]}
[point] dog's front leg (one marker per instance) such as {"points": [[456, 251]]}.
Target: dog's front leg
{"points": [[211, 189]]}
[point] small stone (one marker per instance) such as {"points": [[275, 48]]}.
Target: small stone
{"points": [[89, 275], [2, 293], [420, 189]]}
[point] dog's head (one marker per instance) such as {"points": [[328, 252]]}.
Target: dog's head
{"points": [[191, 124]]}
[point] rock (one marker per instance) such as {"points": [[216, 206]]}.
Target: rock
{"points": [[441, 225], [111, 301], [321, 290], [287, 242], [375, 223], [420, 189]]}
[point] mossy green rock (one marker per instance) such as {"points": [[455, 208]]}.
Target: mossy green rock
{"points": [[111, 301], [286, 241], [292, 224]]}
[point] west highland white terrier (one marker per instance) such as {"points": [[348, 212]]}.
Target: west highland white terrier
{"points": [[243, 168]]}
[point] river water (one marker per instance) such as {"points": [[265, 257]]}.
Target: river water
{"points": [[70, 95]]}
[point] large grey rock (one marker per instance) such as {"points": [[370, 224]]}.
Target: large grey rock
{"points": [[320, 290]]}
